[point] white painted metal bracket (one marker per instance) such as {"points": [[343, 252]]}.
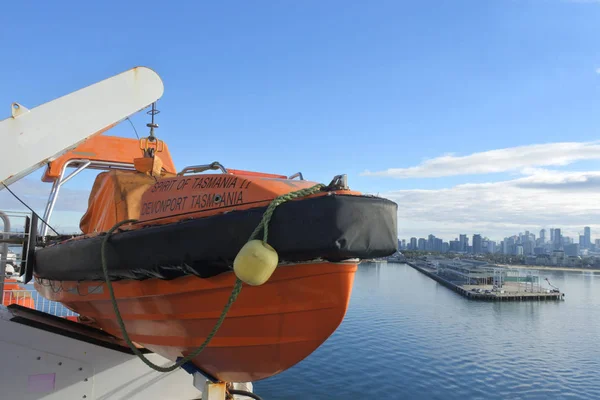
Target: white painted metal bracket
{"points": [[35, 137]]}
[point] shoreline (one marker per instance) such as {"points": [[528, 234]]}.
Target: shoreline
{"points": [[549, 268]]}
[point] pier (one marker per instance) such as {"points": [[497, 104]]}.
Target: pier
{"points": [[487, 283]]}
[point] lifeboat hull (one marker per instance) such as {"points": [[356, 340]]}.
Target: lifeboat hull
{"points": [[268, 329]]}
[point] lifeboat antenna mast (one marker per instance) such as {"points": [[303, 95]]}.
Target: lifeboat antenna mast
{"points": [[152, 125]]}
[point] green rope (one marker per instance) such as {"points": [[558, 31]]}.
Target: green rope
{"points": [[266, 218], [237, 288]]}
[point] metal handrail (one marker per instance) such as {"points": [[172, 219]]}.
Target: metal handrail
{"points": [[9, 238], [195, 169], [339, 181], [297, 175], [80, 165], [31, 298], [4, 250]]}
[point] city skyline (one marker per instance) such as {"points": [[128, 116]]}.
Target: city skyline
{"points": [[572, 232], [542, 242]]}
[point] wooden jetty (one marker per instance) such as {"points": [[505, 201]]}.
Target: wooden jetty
{"points": [[502, 295]]}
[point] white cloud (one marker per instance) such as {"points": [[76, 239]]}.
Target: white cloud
{"points": [[543, 199], [501, 160]]}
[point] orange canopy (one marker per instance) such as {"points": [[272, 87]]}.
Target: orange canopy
{"points": [[115, 196]]}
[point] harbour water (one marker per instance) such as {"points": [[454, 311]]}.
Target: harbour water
{"points": [[407, 337]]}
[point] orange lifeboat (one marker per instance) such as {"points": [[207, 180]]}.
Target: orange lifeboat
{"points": [[172, 272]]}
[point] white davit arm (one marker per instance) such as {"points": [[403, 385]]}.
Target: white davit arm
{"points": [[32, 138]]}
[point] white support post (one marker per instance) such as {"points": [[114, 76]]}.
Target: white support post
{"points": [[212, 391], [218, 390]]}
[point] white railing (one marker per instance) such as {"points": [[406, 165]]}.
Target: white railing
{"points": [[32, 299], [13, 235]]}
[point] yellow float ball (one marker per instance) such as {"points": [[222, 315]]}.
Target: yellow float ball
{"points": [[255, 262]]}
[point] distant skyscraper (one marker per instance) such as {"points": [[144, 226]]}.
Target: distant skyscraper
{"points": [[509, 245], [519, 249], [454, 245], [528, 248], [431, 243], [552, 235], [476, 244], [413, 243], [543, 235], [464, 242], [422, 244], [557, 239], [587, 232]]}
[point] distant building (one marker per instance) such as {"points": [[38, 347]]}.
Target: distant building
{"points": [[431, 242], [509, 245], [557, 258], [477, 244], [422, 244], [519, 250], [572, 250], [413, 243], [543, 236], [454, 245], [539, 250], [587, 233], [489, 246], [552, 235], [445, 247], [528, 248], [557, 241], [464, 243]]}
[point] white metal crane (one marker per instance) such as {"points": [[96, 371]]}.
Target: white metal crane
{"points": [[35, 137], [554, 288]]}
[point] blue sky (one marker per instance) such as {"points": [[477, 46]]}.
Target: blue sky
{"points": [[329, 87]]}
